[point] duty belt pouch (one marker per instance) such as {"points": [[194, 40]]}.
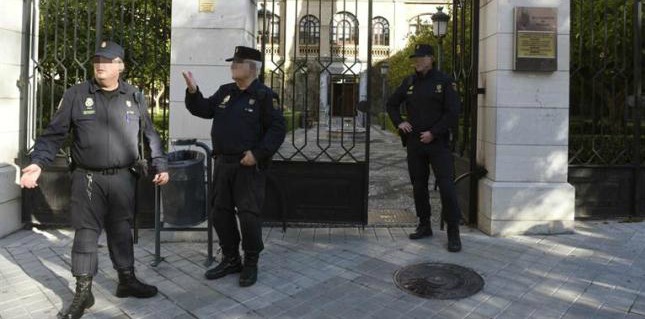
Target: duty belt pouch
{"points": [[140, 167], [404, 137]]}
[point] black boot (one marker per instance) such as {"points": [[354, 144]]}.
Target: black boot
{"points": [[249, 274], [454, 242], [228, 265], [423, 230], [129, 285], [83, 298]]}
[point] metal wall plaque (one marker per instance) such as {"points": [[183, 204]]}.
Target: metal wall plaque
{"points": [[207, 5], [536, 39]]}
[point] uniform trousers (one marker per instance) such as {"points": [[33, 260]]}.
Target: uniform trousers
{"points": [[437, 155], [102, 200], [238, 189]]}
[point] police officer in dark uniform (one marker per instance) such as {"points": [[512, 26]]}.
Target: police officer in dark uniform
{"points": [[248, 128], [104, 117], [432, 110]]}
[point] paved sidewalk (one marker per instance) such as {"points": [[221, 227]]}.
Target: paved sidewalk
{"points": [[599, 272]]}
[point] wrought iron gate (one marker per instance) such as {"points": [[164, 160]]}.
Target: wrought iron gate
{"points": [[320, 67], [465, 70], [59, 43], [606, 139]]}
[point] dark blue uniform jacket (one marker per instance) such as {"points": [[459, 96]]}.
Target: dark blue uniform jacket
{"points": [[432, 103], [105, 129], [243, 120]]}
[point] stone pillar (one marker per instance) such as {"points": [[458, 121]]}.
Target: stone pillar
{"points": [[11, 33], [523, 130], [200, 43]]}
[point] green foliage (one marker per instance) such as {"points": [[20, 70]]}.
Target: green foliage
{"points": [[293, 120], [601, 60], [602, 81], [389, 126]]}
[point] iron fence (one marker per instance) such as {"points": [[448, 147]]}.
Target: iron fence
{"points": [[606, 153]]}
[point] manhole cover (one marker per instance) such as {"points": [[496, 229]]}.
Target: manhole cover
{"points": [[438, 281]]}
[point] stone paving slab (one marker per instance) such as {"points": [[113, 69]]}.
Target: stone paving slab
{"points": [[323, 272]]}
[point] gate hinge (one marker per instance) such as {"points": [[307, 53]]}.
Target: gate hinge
{"points": [[20, 83], [481, 90]]}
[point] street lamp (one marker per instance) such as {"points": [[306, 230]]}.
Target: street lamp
{"points": [[384, 69], [440, 28]]}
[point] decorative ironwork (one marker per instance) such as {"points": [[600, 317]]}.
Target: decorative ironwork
{"points": [[606, 104], [320, 78], [465, 71], [380, 52], [438, 281], [309, 32], [381, 32], [602, 86]]}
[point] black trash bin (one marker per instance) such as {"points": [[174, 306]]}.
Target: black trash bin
{"points": [[184, 197]]}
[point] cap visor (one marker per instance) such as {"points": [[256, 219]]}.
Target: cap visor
{"points": [[106, 55], [229, 59]]}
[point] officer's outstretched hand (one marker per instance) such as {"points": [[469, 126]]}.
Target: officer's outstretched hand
{"points": [[248, 159], [30, 175], [405, 126], [190, 81], [161, 178]]}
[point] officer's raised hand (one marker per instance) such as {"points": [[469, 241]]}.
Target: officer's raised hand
{"points": [[30, 175], [405, 126], [426, 137], [190, 81], [248, 159], [161, 178]]}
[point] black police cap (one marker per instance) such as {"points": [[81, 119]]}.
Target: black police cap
{"points": [[110, 50], [422, 50], [244, 53]]}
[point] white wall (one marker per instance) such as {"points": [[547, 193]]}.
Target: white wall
{"points": [[10, 66], [200, 43]]}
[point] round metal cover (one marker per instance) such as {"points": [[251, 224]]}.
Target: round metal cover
{"points": [[438, 281]]}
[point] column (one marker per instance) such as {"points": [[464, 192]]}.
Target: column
{"points": [[201, 40], [11, 33], [523, 130]]}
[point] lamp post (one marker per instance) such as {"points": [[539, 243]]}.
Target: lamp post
{"points": [[384, 69], [440, 28]]}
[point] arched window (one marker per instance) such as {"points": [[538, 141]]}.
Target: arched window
{"points": [[344, 29], [309, 30], [422, 21], [272, 24], [380, 31]]}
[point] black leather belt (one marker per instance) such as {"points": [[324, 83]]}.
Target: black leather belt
{"points": [[105, 171]]}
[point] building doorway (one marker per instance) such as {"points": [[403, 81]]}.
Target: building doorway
{"points": [[344, 94]]}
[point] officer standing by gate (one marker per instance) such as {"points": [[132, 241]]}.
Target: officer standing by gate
{"points": [[104, 117], [248, 128], [432, 110]]}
